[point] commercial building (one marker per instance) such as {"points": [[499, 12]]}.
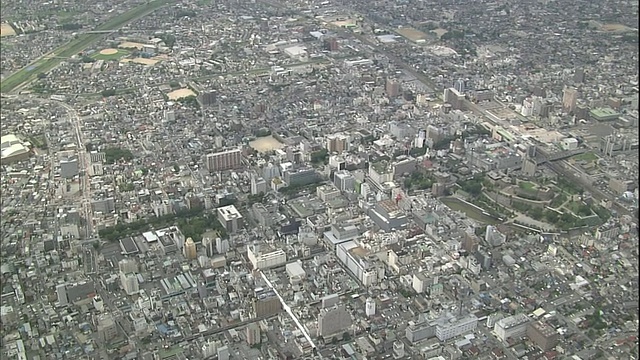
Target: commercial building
{"points": [[355, 258], [511, 327], [224, 160], [333, 321], [543, 335], [300, 176], [448, 326], [388, 216], [230, 218], [258, 185], [344, 181], [265, 260]]}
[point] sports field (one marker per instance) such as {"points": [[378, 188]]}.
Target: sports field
{"points": [[75, 46]]}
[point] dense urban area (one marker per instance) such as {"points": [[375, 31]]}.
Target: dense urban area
{"points": [[264, 179]]}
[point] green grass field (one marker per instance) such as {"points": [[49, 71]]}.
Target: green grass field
{"points": [[120, 54], [75, 46], [588, 157]]}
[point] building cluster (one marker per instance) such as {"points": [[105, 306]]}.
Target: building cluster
{"points": [[255, 182]]}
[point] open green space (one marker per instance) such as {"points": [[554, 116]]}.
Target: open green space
{"points": [[588, 156], [75, 46], [525, 185], [120, 54], [456, 204]]}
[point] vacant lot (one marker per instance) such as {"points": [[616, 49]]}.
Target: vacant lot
{"points": [[266, 144], [412, 34], [180, 93], [6, 30]]}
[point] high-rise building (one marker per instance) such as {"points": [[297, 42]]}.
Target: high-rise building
{"points": [[459, 86], [393, 88], [344, 180], [370, 307], [337, 143], [543, 335], [128, 266], [266, 304], [209, 245], [569, 99], [253, 334], [107, 329], [189, 250], [224, 160], [333, 321], [230, 218], [129, 283], [258, 185], [331, 44], [222, 246]]}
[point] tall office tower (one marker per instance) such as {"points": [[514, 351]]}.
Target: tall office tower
{"points": [[189, 250], [223, 160], [393, 88], [459, 86], [569, 99], [253, 334], [333, 321]]}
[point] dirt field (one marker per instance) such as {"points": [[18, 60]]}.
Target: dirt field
{"points": [[108, 52], [180, 93], [412, 34], [266, 144], [131, 45], [142, 61], [6, 30]]}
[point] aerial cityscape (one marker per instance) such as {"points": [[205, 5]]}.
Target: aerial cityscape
{"points": [[287, 179]]}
